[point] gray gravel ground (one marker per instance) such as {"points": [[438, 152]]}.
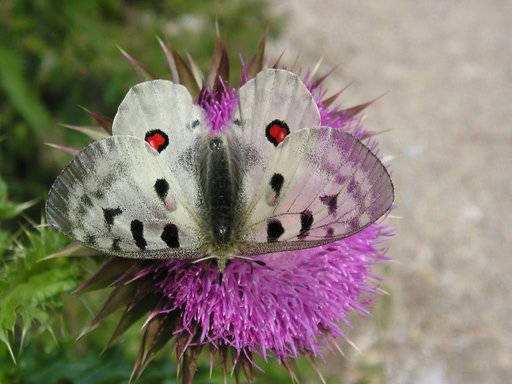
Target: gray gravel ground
{"points": [[448, 68]]}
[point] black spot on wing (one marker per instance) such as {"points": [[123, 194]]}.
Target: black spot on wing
{"points": [[329, 232], [331, 201], [99, 194], [109, 214], [161, 188], [82, 210], [90, 240], [86, 201], [170, 236], [306, 221], [195, 123], [137, 229], [276, 182], [274, 230], [115, 245]]}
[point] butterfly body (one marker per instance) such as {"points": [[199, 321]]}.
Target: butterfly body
{"points": [[219, 179], [220, 182], [166, 186]]}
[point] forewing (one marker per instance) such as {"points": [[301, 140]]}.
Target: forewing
{"points": [[118, 197], [162, 113], [323, 185], [272, 105]]}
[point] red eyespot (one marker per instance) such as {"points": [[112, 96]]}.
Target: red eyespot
{"points": [[157, 139], [277, 131]]}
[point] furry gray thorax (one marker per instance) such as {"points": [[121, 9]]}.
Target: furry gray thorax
{"points": [[220, 183]]}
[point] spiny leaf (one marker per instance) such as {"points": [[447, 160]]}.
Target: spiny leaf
{"points": [[310, 74], [311, 360], [327, 102], [131, 314], [256, 63], [196, 71], [356, 109], [64, 148], [170, 61], [112, 269], [104, 121], [368, 134], [185, 74], [223, 69], [291, 372], [93, 131], [316, 83], [295, 62], [247, 366], [211, 78], [277, 62], [222, 73], [120, 297], [190, 360], [223, 353], [158, 332], [73, 249], [131, 273], [144, 72]]}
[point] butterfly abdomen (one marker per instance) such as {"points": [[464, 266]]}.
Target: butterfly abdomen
{"points": [[219, 181]]}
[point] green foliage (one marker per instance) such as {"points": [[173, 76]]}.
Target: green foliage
{"points": [[30, 286]]}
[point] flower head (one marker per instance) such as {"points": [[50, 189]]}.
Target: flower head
{"points": [[282, 306]]}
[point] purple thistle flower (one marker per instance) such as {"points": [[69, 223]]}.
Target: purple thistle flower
{"points": [[218, 105], [295, 304], [285, 308]]}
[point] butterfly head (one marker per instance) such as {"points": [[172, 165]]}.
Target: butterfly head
{"points": [[216, 143]]}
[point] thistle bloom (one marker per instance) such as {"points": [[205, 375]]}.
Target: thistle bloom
{"points": [[295, 303]]}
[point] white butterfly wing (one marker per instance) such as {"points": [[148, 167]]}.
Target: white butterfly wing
{"points": [[162, 113], [322, 185], [271, 105], [119, 197]]}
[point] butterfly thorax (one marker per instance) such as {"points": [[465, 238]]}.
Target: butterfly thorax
{"points": [[219, 180]]}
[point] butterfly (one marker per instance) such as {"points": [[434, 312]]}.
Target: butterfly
{"points": [[165, 186]]}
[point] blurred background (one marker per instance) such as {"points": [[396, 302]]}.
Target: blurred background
{"points": [[446, 68]]}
